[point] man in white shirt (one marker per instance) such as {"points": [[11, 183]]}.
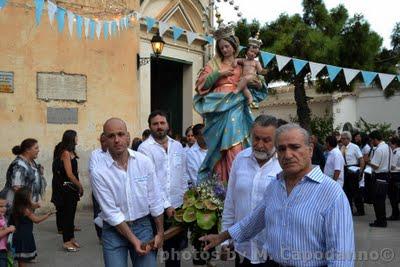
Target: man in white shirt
{"points": [[124, 183], [394, 182], [252, 171], [380, 164], [169, 159], [196, 154], [334, 166], [354, 163], [94, 159]]}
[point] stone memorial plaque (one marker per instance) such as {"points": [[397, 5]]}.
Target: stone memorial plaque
{"points": [[62, 115], [7, 81], [61, 86]]}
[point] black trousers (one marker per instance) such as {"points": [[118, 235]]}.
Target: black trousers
{"points": [[379, 191], [352, 189], [394, 193], [67, 215], [174, 245], [59, 211], [96, 211]]}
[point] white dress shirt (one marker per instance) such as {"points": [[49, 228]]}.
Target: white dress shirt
{"points": [[95, 158], [246, 188], [194, 158], [352, 153], [170, 169], [126, 195], [380, 157], [396, 160], [335, 162]]}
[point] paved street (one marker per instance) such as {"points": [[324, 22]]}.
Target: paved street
{"points": [[372, 244]]}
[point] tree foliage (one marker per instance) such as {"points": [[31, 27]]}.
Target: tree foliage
{"points": [[325, 36]]}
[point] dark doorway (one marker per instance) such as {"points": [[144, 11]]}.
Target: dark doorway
{"points": [[166, 90]]}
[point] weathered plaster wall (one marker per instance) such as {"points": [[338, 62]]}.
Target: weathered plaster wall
{"points": [[110, 67]]}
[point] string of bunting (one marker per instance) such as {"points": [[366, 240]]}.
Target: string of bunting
{"points": [[333, 71], [94, 26]]}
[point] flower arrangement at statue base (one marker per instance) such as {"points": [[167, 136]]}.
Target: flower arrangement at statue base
{"points": [[201, 212], [202, 209]]}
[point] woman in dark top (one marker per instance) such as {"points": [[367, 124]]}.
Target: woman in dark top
{"points": [[25, 172], [67, 189]]}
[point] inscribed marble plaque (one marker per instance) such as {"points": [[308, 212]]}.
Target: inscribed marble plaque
{"points": [[61, 86]]}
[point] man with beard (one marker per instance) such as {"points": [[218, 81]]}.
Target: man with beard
{"points": [[169, 159], [252, 171], [305, 214]]}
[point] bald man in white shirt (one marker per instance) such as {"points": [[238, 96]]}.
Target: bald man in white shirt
{"points": [[125, 185]]}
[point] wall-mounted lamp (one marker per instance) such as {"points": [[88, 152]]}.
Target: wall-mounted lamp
{"points": [[157, 44]]}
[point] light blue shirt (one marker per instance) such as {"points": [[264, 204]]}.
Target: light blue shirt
{"points": [[313, 226]]}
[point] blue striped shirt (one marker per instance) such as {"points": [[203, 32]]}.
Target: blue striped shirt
{"points": [[312, 226]]}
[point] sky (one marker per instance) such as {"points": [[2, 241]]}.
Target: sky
{"points": [[381, 14]]}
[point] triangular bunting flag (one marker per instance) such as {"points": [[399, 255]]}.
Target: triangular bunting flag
{"points": [[79, 26], [113, 27], [2, 3], [191, 36], [39, 4], [122, 23], [349, 74], [386, 79], [150, 23], [51, 11], [282, 61], [118, 22], [99, 24], [105, 29], [162, 27], [333, 71], [60, 19], [87, 26], [315, 69], [209, 39], [368, 77], [298, 65], [266, 58], [177, 32], [241, 47], [110, 28], [92, 27], [70, 17]]}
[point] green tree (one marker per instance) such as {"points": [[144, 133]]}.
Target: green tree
{"points": [[318, 35]]}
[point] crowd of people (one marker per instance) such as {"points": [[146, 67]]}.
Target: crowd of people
{"points": [[287, 194]]}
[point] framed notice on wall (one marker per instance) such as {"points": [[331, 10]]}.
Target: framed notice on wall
{"points": [[6, 81]]}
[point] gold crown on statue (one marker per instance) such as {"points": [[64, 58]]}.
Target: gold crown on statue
{"points": [[224, 31], [254, 41]]}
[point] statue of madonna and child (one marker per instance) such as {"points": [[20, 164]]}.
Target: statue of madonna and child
{"points": [[225, 87]]}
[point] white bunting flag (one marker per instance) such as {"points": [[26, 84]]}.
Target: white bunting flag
{"points": [[163, 27], [86, 22], [51, 11], [386, 79], [110, 29], [118, 21], [191, 36], [282, 61], [349, 74], [70, 17], [99, 25], [315, 69]]}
